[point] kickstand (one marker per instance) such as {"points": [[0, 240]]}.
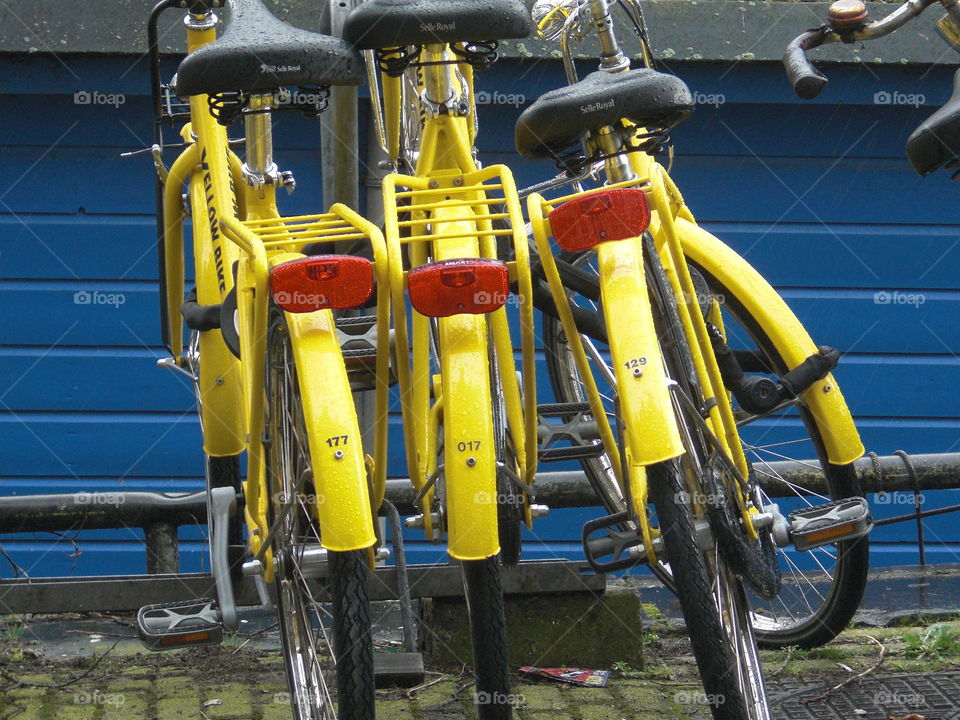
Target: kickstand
{"points": [[400, 669]]}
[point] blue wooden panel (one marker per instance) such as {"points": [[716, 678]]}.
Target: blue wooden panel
{"points": [[65, 172], [93, 409], [91, 380], [118, 445], [53, 247], [814, 255]]}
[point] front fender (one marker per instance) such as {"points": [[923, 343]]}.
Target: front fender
{"points": [[764, 304]]}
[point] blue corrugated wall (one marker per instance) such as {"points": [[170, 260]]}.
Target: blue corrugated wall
{"points": [[817, 195]]}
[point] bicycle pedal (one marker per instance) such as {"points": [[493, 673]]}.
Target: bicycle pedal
{"points": [[624, 548], [832, 522], [168, 626], [575, 427], [358, 343]]}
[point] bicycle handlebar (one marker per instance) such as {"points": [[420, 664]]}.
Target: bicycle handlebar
{"points": [[807, 81], [845, 25]]}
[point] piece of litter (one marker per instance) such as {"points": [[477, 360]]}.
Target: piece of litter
{"points": [[859, 711], [208, 703], [584, 677], [846, 667]]}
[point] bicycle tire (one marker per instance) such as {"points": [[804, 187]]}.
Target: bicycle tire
{"points": [[352, 637], [488, 632], [693, 583], [309, 672], [839, 602], [509, 498]]}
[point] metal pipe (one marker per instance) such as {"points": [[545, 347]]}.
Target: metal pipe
{"points": [[339, 137], [90, 511]]}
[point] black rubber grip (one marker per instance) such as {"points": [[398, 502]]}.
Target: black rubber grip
{"points": [[807, 81]]}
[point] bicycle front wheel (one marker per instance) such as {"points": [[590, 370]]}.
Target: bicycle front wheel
{"points": [[821, 589], [323, 649]]}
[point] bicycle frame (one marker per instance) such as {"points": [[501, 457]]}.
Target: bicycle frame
{"points": [[452, 207], [236, 224]]}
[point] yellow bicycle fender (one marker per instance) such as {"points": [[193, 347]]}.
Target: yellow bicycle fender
{"points": [[823, 398], [173, 218], [645, 404], [333, 433], [221, 388], [469, 455]]}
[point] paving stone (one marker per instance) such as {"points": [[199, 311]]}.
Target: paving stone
{"points": [[70, 707], [177, 697], [581, 695], [27, 702], [132, 705], [541, 697], [436, 696], [234, 701], [394, 710]]}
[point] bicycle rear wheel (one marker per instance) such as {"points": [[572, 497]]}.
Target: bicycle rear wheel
{"points": [[821, 589], [323, 649]]}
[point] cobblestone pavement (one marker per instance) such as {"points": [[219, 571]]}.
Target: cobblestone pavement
{"points": [[239, 681]]}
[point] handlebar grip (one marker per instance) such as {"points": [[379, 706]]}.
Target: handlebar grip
{"points": [[807, 81]]}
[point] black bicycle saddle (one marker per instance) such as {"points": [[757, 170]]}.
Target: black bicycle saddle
{"points": [[559, 118], [392, 23], [257, 51], [937, 140]]}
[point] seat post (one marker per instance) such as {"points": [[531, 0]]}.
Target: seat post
{"points": [[259, 167], [612, 58], [439, 84]]}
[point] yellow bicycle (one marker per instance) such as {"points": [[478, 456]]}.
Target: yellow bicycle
{"points": [[682, 471], [265, 354], [470, 428]]}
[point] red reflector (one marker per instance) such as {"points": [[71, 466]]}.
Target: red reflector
{"points": [[319, 282], [452, 287], [600, 217]]}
